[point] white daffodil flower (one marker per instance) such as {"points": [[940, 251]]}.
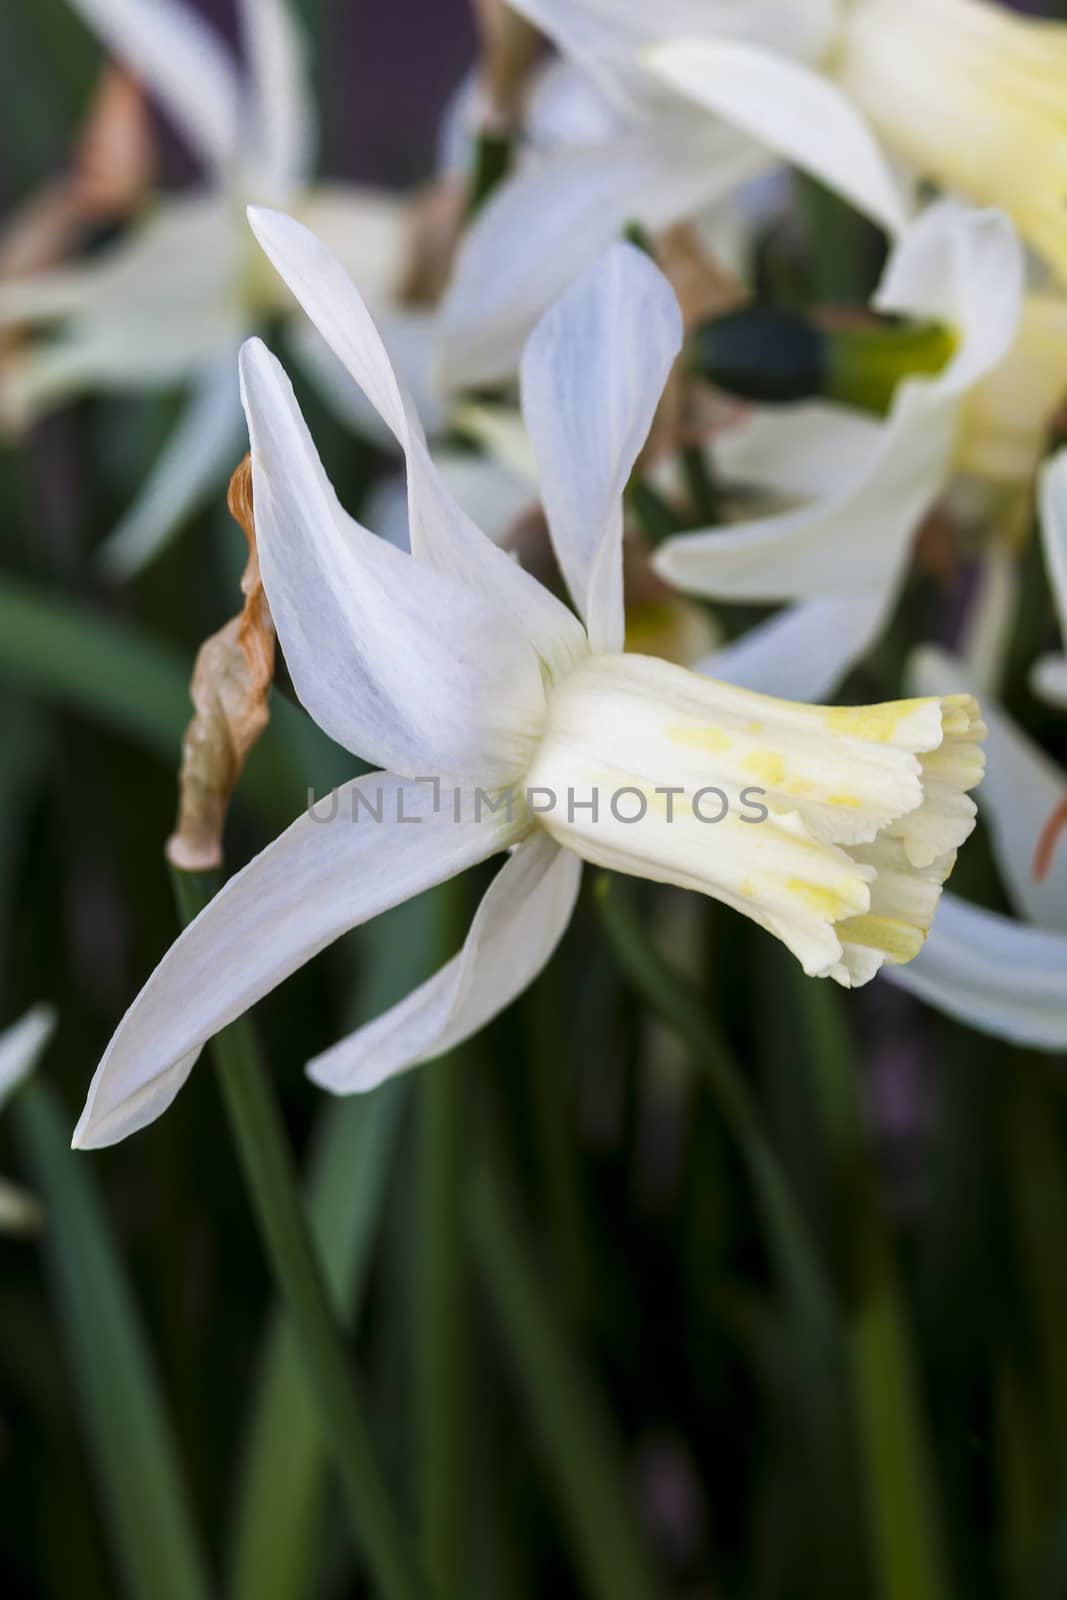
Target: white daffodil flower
{"points": [[170, 303], [460, 674], [1006, 976], [1050, 673], [966, 93], [865, 485], [20, 1049]]}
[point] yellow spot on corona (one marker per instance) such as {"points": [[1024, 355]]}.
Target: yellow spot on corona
{"points": [[765, 764], [829, 903], [713, 740], [845, 797], [900, 940], [877, 724]]}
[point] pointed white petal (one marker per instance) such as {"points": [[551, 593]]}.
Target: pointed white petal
{"points": [[490, 493], [791, 109], [607, 36], [806, 651], [327, 873], [204, 447], [546, 223], [518, 925], [992, 973], [443, 537], [399, 663], [409, 337], [796, 450], [21, 1046], [1021, 790], [593, 374], [280, 140], [182, 60], [963, 267], [370, 231]]}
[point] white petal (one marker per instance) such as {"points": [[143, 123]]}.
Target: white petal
{"points": [[1021, 790], [370, 231], [442, 536], [1049, 680], [593, 374], [489, 492], [1054, 532], [961, 266], [791, 109], [182, 60], [796, 450], [397, 662], [518, 925], [806, 651], [21, 1046], [965, 268], [409, 337], [205, 445], [281, 138], [992, 973], [546, 223], [993, 616], [324, 875], [607, 36]]}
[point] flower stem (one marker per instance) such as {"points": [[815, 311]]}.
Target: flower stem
{"points": [[443, 1500], [259, 1134], [891, 1437], [573, 1426], [682, 1008]]}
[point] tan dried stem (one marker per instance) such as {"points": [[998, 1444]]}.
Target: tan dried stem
{"points": [[230, 691], [509, 47]]}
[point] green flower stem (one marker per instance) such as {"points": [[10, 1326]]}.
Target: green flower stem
{"points": [[259, 1135], [891, 1436], [573, 1426], [441, 1336], [682, 1008]]}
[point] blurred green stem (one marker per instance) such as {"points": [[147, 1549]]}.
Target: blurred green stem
{"points": [[677, 1001], [894, 1451], [441, 1396], [573, 1425], [259, 1135]]}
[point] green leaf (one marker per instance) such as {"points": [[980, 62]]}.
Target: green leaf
{"points": [[128, 1432]]}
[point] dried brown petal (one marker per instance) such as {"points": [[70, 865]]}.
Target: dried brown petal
{"points": [[230, 690]]}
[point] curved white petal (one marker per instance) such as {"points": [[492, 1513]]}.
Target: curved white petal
{"points": [[547, 222], [205, 445], [593, 374], [958, 265], [443, 537], [399, 663], [607, 36], [520, 921], [796, 450], [329, 872], [992, 973], [791, 109], [489, 492], [1021, 790], [805, 652], [183, 61], [21, 1046], [409, 336], [280, 133], [965, 268]]}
